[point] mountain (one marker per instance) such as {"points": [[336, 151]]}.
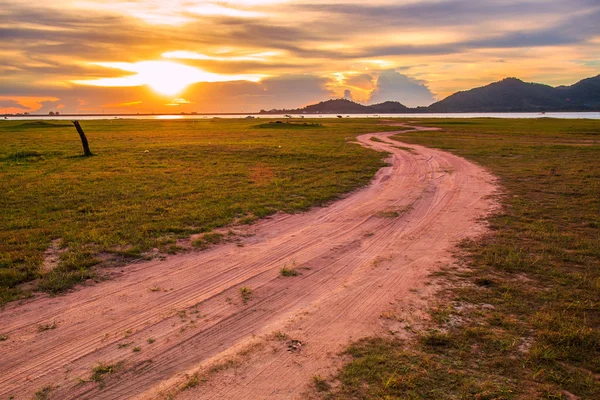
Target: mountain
{"points": [[585, 92], [507, 95], [344, 106], [514, 95]]}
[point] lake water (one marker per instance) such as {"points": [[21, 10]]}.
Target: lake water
{"points": [[563, 115]]}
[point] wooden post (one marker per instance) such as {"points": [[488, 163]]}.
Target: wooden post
{"points": [[84, 142]]}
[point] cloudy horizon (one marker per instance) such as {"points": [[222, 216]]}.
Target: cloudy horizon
{"points": [[243, 56]]}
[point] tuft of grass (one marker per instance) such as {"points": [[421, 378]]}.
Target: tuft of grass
{"points": [[100, 371], [150, 340], [208, 239], [136, 349], [288, 271], [246, 294], [281, 336], [387, 214], [3, 338], [24, 155], [192, 382], [47, 327], [321, 385], [44, 393], [436, 339]]}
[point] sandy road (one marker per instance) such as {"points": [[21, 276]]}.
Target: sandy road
{"points": [[366, 254]]}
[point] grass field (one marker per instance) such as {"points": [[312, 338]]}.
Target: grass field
{"points": [[523, 318], [153, 182]]}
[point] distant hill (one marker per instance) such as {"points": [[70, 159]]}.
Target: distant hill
{"points": [[514, 95], [343, 106], [585, 92], [507, 95]]}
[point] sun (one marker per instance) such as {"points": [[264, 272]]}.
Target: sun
{"points": [[164, 77], [169, 78]]}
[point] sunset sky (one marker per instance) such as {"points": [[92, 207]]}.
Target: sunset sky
{"points": [[94, 56]]}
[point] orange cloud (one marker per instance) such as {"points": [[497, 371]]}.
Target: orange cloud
{"points": [[28, 103]]}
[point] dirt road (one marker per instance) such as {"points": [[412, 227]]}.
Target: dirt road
{"points": [[363, 264]]}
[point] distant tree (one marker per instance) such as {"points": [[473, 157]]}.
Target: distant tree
{"points": [[57, 113], [51, 113]]}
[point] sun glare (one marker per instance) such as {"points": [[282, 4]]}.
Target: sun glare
{"points": [[169, 78], [164, 77]]}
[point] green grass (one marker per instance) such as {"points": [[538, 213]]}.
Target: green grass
{"points": [[153, 182], [523, 320]]}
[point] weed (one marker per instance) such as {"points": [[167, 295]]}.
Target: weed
{"points": [[3, 338], [208, 239], [391, 315], [192, 382], [136, 349], [47, 327], [387, 214], [288, 271], [44, 393], [245, 293], [222, 366], [100, 371], [321, 384], [124, 345], [280, 336], [150, 340], [436, 339], [24, 155]]}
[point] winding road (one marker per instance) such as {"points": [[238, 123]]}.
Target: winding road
{"points": [[363, 266]]}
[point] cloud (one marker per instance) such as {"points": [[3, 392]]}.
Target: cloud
{"points": [[394, 86], [287, 91], [362, 81], [451, 44], [12, 104]]}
